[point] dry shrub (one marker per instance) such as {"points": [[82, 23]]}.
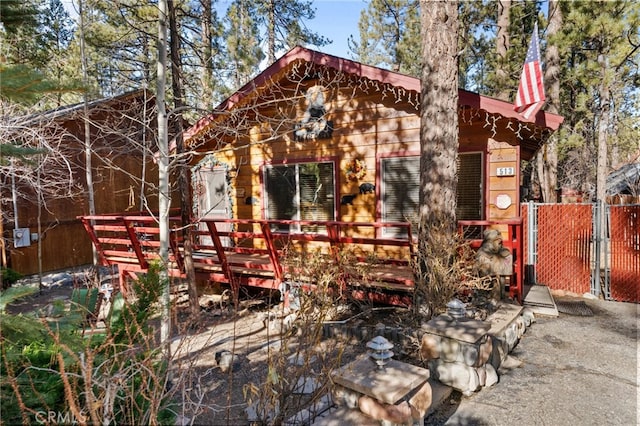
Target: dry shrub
{"points": [[443, 267], [301, 358]]}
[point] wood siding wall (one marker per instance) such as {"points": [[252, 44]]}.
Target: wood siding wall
{"points": [[366, 127]]}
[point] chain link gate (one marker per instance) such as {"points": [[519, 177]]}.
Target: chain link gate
{"points": [[623, 271], [562, 249]]}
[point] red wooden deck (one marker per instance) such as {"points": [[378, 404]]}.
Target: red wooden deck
{"points": [[240, 252]]}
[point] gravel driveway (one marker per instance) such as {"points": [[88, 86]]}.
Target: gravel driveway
{"points": [[575, 370]]}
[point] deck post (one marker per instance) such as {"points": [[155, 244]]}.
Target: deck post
{"points": [[222, 258]]}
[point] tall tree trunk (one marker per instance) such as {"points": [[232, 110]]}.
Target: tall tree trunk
{"points": [[502, 47], [603, 128], [88, 168], [207, 55], [439, 113], [438, 155], [271, 31], [183, 172], [547, 158], [164, 196]]}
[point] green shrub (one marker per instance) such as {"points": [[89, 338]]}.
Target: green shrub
{"points": [[9, 276], [117, 376]]}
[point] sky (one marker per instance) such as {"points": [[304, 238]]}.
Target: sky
{"points": [[335, 19]]}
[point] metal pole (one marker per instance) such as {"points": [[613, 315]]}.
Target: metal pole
{"points": [[606, 248], [597, 246], [532, 242], [14, 196]]}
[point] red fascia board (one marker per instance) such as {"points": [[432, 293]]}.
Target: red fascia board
{"points": [[466, 98], [505, 109]]}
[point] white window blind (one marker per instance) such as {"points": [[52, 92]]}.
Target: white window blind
{"points": [[303, 191], [401, 184]]}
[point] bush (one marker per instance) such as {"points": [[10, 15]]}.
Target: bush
{"points": [[115, 377], [9, 276], [442, 266]]}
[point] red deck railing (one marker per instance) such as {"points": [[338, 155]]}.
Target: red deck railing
{"points": [[247, 252]]}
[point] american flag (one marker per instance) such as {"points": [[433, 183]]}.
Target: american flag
{"points": [[530, 96]]}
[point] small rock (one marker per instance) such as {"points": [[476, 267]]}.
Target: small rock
{"points": [[511, 337], [421, 401], [470, 354], [492, 375], [225, 360], [430, 347], [520, 326], [342, 395], [482, 375], [528, 316], [454, 374], [498, 352], [450, 350], [486, 349], [511, 363], [474, 382], [400, 413], [306, 386]]}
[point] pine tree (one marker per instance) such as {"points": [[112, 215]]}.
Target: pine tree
{"points": [[389, 34], [283, 21], [599, 45], [439, 150], [57, 34], [243, 42], [439, 113]]}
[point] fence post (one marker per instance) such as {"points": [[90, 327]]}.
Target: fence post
{"points": [[605, 250], [532, 242], [597, 247]]}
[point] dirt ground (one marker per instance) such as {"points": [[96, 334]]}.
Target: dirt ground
{"points": [[574, 369], [266, 355]]}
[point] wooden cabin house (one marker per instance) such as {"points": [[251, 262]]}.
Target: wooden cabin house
{"points": [[317, 137], [318, 154], [119, 126]]}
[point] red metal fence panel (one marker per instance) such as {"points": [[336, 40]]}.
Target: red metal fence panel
{"points": [[564, 246], [624, 246]]}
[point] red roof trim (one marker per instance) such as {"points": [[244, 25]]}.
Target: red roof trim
{"points": [[466, 98]]}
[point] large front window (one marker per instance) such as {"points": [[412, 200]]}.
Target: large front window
{"points": [[401, 185], [303, 191]]}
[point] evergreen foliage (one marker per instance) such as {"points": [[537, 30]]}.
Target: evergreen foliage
{"points": [[609, 29], [48, 364], [390, 36]]}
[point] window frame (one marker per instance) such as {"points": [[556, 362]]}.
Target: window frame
{"points": [[382, 183], [297, 197], [391, 232]]}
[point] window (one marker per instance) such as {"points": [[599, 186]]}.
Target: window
{"points": [[303, 191], [400, 193], [469, 206]]}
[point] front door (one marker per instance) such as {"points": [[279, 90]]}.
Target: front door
{"points": [[213, 197]]}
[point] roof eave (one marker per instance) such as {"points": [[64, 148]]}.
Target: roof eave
{"points": [[466, 98]]}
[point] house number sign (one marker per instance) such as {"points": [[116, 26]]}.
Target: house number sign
{"points": [[506, 171]]}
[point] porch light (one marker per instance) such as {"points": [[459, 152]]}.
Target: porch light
{"points": [[380, 351], [456, 309]]}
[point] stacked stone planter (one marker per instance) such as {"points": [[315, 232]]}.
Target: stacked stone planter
{"points": [[397, 393], [465, 353]]}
